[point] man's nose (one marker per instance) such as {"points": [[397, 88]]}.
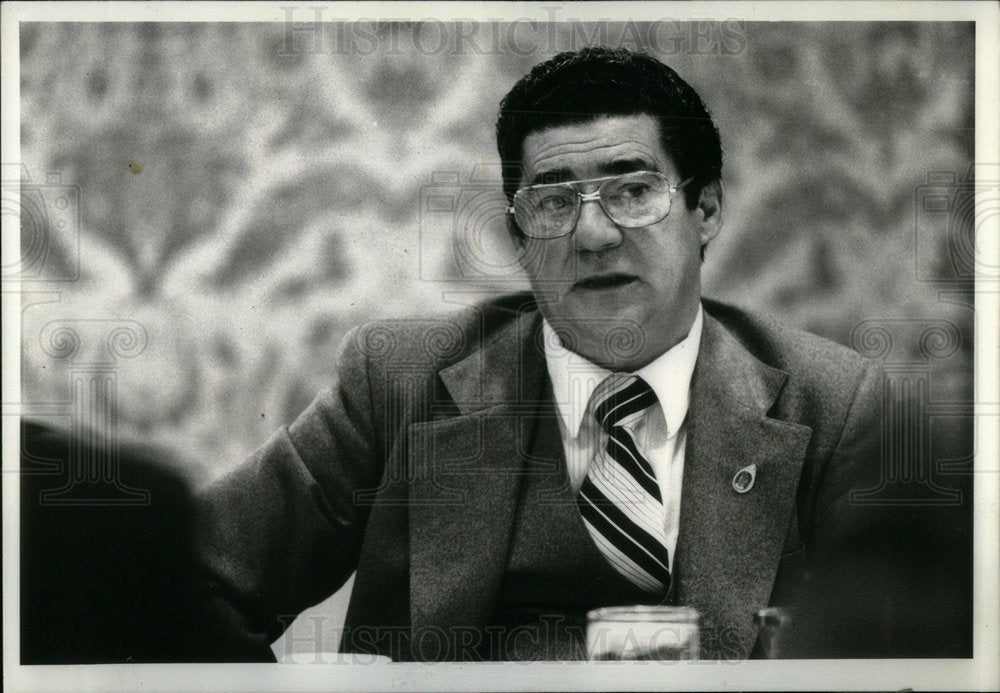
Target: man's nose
{"points": [[594, 229]]}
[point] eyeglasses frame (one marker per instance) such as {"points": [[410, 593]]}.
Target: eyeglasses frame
{"points": [[594, 196]]}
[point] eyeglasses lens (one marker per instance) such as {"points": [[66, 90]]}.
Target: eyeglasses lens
{"points": [[546, 212], [636, 200]]}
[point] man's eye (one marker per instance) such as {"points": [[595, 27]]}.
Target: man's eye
{"points": [[553, 203], [633, 191]]}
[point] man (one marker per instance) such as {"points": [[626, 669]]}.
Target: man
{"points": [[610, 439]]}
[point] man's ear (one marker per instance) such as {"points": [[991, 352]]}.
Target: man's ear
{"points": [[710, 211], [515, 233]]}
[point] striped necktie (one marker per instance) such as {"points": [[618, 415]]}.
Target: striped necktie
{"points": [[620, 500]]}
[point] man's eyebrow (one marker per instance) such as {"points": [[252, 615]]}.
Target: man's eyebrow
{"points": [[553, 176], [612, 168], [620, 166]]}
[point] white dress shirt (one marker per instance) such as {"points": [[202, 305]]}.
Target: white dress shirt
{"points": [[660, 433]]}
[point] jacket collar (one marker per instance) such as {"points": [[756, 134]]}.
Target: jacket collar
{"points": [[509, 369]]}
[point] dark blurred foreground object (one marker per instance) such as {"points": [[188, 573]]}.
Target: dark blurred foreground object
{"points": [[105, 542], [898, 585]]}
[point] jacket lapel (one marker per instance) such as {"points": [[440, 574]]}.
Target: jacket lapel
{"points": [[730, 543], [464, 484]]}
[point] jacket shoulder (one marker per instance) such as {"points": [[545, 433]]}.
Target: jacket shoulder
{"points": [[436, 341], [811, 362]]}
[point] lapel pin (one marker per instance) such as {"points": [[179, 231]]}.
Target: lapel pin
{"points": [[743, 481]]}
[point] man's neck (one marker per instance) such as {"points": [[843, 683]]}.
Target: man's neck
{"points": [[625, 347]]}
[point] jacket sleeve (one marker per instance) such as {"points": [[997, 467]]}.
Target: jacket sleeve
{"points": [[280, 531]]}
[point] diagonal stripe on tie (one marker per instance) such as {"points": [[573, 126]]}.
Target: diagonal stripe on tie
{"points": [[622, 531], [621, 403], [623, 491], [620, 500], [622, 450]]}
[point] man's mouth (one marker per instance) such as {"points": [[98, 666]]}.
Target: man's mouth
{"points": [[605, 281]]}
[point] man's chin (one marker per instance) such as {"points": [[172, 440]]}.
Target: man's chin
{"points": [[617, 307]]}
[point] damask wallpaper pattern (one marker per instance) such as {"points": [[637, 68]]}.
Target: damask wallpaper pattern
{"points": [[246, 193]]}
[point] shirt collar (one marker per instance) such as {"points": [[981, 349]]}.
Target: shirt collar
{"points": [[574, 378]]}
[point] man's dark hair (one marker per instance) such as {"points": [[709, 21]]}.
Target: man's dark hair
{"points": [[579, 86]]}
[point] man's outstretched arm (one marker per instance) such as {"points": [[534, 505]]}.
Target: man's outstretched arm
{"points": [[281, 532]]}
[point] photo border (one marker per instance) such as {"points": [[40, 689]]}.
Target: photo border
{"points": [[982, 671]]}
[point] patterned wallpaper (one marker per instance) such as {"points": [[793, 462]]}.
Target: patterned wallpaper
{"points": [[239, 195]]}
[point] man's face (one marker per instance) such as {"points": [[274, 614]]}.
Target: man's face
{"points": [[603, 281]]}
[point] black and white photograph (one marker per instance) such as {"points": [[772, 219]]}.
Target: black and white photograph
{"points": [[501, 346]]}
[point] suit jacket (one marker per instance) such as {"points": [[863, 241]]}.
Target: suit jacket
{"points": [[407, 470]]}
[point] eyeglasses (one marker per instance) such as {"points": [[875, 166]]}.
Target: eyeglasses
{"points": [[551, 210]]}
